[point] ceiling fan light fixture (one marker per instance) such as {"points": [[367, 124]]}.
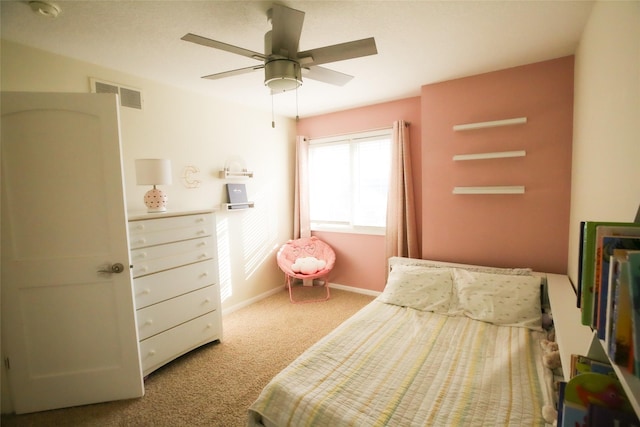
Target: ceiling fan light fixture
{"points": [[281, 75], [44, 8]]}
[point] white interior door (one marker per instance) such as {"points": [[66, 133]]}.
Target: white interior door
{"points": [[68, 331]]}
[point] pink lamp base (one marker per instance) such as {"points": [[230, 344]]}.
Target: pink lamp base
{"points": [[155, 200]]}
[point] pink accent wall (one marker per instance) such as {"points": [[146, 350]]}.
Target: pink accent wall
{"points": [[360, 259], [528, 230]]}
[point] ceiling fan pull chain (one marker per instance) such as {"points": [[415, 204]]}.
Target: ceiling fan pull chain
{"points": [[273, 120], [297, 116]]}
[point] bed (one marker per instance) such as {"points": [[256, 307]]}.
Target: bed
{"points": [[443, 345]]}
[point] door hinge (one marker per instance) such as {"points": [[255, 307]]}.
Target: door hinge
{"points": [[7, 364]]}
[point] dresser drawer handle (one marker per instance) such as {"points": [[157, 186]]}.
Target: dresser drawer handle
{"points": [[209, 325], [202, 231], [146, 291], [205, 274], [149, 322], [202, 243], [152, 353], [200, 219], [207, 300], [141, 241], [203, 255], [140, 227], [141, 255]]}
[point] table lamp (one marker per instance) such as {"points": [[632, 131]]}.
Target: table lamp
{"points": [[154, 172]]}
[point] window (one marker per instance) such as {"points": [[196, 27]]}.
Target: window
{"points": [[349, 181]]}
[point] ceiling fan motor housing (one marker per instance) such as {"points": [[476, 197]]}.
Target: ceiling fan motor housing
{"points": [[281, 75]]}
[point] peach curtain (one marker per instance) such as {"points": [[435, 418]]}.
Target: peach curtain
{"points": [[301, 222], [401, 235]]}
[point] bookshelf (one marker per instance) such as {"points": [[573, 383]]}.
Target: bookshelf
{"points": [[575, 338], [227, 173], [510, 189], [238, 206], [490, 124], [494, 155], [505, 189]]}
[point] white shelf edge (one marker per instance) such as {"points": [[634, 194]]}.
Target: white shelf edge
{"points": [[494, 155], [238, 206], [490, 124], [571, 335], [226, 173], [511, 189]]}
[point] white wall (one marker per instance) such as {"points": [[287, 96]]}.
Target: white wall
{"points": [[191, 129], [606, 136]]}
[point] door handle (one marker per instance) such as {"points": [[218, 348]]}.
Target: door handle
{"points": [[114, 268]]}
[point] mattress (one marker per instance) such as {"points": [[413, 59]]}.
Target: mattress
{"points": [[396, 366]]}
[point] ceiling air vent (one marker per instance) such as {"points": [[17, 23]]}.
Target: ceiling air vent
{"points": [[129, 97]]}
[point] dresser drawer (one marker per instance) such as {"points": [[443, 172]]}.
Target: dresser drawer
{"points": [[165, 315], [164, 347], [163, 257], [164, 230], [167, 284]]}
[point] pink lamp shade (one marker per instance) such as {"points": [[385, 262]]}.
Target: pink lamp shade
{"points": [[154, 172]]}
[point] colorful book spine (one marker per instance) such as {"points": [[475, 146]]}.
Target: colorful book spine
{"points": [[580, 260], [633, 260], [587, 278], [611, 307], [609, 242], [622, 329]]}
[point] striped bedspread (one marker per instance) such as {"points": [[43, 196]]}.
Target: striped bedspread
{"points": [[393, 366]]}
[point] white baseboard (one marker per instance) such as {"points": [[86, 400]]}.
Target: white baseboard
{"points": [[355, 290], [251, 300], [273, 291]]}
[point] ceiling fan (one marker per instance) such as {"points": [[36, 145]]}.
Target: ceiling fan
{"points": [[283, 64]]}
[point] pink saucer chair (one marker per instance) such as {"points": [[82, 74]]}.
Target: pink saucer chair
{"points": [[306, 247]]}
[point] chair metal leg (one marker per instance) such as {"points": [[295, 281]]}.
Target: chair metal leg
{"points": [[326, 286]]}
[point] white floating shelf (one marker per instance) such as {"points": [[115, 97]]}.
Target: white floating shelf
{"points": [[238, 206], [512, 189], [491, 124], [226, 173], [496, 155]]}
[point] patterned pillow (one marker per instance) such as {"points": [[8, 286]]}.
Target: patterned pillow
{"points": [[424, 289], [509, 300]]}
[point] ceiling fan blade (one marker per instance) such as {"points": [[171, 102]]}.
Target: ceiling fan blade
{"points": [[338, 52], [326, 75], [193, 38], [287, 27], [233, 72]]}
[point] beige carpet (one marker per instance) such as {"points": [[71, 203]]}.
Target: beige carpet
{"points": [[214, 385]]}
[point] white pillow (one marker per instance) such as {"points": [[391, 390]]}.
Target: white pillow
{"points": [[425, 289], [443, 264], [509, 300]]}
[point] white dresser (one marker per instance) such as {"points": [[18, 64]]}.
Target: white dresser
{"points": [[175, 280]]}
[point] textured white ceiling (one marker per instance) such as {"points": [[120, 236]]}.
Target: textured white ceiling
{"points": [[419, 42]]}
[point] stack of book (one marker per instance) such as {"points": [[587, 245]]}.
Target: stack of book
{"points": [[609, 288], [593, 397]]}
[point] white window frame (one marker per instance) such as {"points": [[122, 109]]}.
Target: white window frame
{"points": [[351, 138]]}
